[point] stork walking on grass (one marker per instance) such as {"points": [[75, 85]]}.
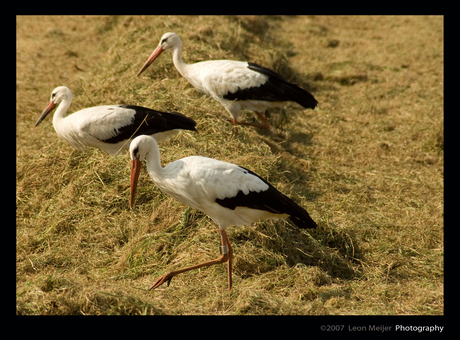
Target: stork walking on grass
{"points": [[229, 194], [111, 127], [236, 85]]}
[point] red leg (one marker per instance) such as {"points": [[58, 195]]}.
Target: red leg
{"points": [[225, 257], [265, 125], [235, 128], [230, 258]]}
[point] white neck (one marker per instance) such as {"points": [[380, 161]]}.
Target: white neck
{"points": [[153, 162], [61, 111], [177, 59]]}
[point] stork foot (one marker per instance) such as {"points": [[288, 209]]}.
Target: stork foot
{"points": [[226, 256], [164, 278], [261, 126], [264, 125]]}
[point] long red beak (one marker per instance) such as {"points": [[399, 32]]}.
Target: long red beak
{"points": [[48, 109], [135, 169], [151, 59]]}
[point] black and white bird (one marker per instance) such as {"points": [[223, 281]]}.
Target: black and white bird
{"points": [[111, 127], [236, 85], [231, 195]]}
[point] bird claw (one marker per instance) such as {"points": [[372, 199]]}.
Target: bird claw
{"points": [[165, 278]]}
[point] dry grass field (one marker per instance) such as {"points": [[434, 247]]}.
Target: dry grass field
{"points": [[367, 163]]}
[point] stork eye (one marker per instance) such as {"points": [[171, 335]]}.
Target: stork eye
{"points": [[163, 41], [136, 152]]}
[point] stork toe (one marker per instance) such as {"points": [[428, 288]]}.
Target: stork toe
{"points": [[164, 278]]}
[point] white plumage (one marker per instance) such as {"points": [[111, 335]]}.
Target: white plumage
{"points": [[198, 181], [236, 85], [228, 193], [110, 127]]}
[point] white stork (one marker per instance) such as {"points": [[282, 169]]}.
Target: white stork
{"points": [[111, 127], [236, 85], [229, 194]]}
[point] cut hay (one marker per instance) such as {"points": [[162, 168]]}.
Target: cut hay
{"points": [[367, 164]]}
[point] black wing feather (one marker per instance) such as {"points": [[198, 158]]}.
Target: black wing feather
{"points": [[149, 122], [275, 89], [270, 200]]}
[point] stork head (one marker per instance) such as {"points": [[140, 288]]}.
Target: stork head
{"points": [[167, 41], [138, 150], [58, 95]]}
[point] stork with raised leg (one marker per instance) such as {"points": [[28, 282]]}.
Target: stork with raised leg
{"points": [[111, 127], [236, 85], [229, 194]]}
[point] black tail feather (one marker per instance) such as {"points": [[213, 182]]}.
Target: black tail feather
{"points": [[178, 121], [299, 95], [148, 122], [270, 200], [278, 89]]}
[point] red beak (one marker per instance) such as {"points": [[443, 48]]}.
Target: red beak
{"points": [[135, 169], [48, 109], [151, 59]]}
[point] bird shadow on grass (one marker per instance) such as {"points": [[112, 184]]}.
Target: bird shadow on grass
{"points": [[270, 245], [282, 141]]}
